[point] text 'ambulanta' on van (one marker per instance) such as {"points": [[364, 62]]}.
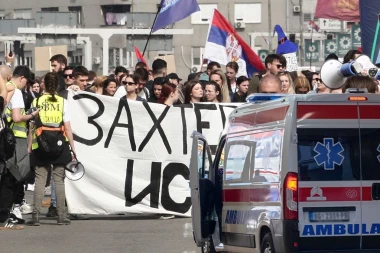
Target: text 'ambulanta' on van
{"points": [[300, 173]]}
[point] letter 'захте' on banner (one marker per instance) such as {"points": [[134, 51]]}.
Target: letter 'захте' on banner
{"points": [[137, 154]]}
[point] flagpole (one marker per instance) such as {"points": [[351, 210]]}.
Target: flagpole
{"points": [[375, 39], [150, 34]]}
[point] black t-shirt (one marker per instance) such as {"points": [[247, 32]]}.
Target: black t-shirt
{"points": [[236, 98]]}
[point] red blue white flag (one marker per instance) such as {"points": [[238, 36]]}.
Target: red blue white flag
{"points": [[224, 45]]}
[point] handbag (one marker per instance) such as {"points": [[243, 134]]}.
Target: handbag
{"points": [[7, 140], [21, 173]]}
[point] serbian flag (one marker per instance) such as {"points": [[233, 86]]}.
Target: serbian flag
{"points": [[139, 56], [344, 10], [224, 45], [173, 11], [314, 25]]}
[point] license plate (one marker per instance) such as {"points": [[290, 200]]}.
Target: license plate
{"points": [[329, 216]]}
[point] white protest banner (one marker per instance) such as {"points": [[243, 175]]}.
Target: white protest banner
{"points": [[137, 154], [291, 61]]}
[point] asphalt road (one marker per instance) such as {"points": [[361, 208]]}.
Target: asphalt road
{"points": [[102, 234]]}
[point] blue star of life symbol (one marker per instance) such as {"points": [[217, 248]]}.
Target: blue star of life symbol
{"points": [[329, 153], [378, 150]]}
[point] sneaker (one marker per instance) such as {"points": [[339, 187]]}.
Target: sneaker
{"points": [[52, 212], [30, 187], [26, 209], [10, 224], [166, 217], [16, 215]]}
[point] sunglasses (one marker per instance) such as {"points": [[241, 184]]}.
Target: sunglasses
{"points": [[302, 92], [317, 80], [279, 66], [67, 76], [128, 83]]}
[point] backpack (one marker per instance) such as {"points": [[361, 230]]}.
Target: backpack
{"points": [[51, 140]]}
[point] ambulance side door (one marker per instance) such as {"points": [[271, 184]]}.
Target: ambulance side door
{"points": [[202, 190], [370, 168]]}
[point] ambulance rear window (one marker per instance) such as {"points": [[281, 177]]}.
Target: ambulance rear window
{"points": [[328, 154]]}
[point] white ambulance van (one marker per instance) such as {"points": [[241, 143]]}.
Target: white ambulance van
{"points": [[300, 173]]}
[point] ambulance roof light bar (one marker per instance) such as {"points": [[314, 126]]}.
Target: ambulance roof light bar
{"points": [[263, 97]]}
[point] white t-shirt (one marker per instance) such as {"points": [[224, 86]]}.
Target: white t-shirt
{"points": [[17, 100], [120, 92], [66, 111]]}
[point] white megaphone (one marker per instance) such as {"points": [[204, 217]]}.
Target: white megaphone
{"points": [[74, 170], [331, 74], [364, 63]]}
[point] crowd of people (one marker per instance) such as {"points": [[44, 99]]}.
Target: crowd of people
{"points": [[22, 94]]}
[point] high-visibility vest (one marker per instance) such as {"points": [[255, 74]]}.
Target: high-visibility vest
{"points": [[50, 115], [19, 129]]}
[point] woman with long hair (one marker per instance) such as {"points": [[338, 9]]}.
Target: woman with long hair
{"points": [[302, 85], [213, 93], [220, 78], [232, 69], [169, 94], [131, 82], [109, 87], [193, 92], [98, 85], [49, 142], [286, 83]]}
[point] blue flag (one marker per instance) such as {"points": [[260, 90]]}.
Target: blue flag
{"points": [[173, 11], [369, 11]]}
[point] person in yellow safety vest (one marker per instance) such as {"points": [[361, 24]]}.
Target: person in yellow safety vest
{"points": [[17, 120], [50, 139]]}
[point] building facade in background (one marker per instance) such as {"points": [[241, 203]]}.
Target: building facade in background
{"points": [[252, 19]]}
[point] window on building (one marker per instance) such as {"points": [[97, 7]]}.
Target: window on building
{"points": [[116, 14], [22, 14], [248, 13], [50, 9], [205, 15], [78, 11], [307, 17]]}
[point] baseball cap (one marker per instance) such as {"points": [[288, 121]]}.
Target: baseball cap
{"points": [[174, 76], [204, 77]]}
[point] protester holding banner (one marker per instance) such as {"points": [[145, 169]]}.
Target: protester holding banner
{"points": [[220, 78], [169, 94], [53, 118], [98, 84], [157, 88], [213, 93], [193, 92], [80, 75], [109, 87], [130, 83]]}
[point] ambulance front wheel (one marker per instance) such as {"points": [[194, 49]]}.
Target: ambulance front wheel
{"points": [[267, 244]]}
